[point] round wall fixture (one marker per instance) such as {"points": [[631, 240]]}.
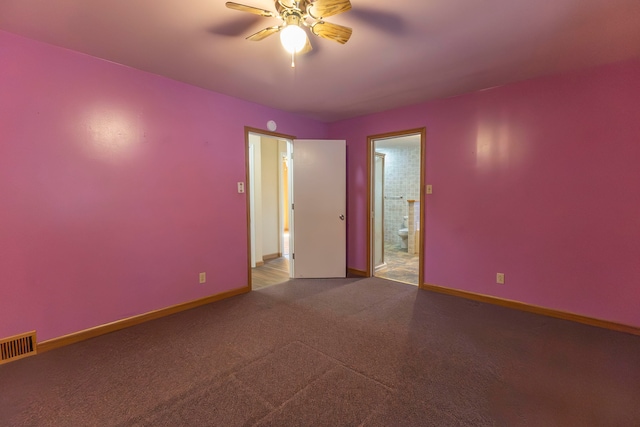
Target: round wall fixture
{"points": [[271, 125]]}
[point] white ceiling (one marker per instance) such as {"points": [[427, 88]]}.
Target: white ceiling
{"points": [[402, 52]]}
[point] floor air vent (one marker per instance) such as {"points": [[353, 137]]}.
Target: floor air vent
{"points": [[14, 348]]}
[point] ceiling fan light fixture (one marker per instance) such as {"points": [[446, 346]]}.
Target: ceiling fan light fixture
{"points": [[293, 38], [297, 14]]}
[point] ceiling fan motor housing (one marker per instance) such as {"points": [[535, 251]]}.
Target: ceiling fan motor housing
{"points": [[292, 18]]}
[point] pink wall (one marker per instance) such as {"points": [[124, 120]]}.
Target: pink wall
{"points": [[539, 180], [117, 187]]}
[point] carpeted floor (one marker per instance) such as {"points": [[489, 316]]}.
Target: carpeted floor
{"points": [[341, 352]]}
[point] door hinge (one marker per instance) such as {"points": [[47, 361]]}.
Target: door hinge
{"points": [[293, 256], [292, 206]]}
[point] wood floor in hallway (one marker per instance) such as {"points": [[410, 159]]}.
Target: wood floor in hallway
{"points": [[273, 272], [400, 267]]}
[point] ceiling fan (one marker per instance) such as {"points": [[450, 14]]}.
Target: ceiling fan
{"points": [[298, 14]]}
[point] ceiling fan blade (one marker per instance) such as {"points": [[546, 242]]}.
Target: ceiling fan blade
{"points": [[282, 5], [330, 31], [236, 26], [388, 22], [324, 8], [263, 34], [287, 3], [250, 9]]}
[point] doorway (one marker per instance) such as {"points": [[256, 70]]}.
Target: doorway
{"points": [[396, 203], [316, 229], [268, 194]]}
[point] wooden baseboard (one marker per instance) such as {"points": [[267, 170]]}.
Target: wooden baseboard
{"points": [[352, 272], [259, 263], [271, 256], [620, 327], [134, 320]]}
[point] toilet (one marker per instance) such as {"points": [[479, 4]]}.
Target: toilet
{"points": [[404, 233]]}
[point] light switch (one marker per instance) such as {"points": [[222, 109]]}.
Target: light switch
{"points": [[241, 187], [429, 189]]}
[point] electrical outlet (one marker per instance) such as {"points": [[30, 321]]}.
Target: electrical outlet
{"points": [[203, 277], [500, 278], [429, 189]]}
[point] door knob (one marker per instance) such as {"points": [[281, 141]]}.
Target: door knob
{"points": [[342, 217]]}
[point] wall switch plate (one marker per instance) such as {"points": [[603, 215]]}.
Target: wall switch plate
{"points": [[429, 189], [203, 277], [241, 187], [500, 278]]}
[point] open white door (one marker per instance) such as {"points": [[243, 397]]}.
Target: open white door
{"points": [[319, 216]]}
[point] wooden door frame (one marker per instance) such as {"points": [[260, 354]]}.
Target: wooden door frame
{"points": [[373, 173], [370, 152], [247, 186]]}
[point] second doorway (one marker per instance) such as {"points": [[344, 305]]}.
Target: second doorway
{"points": [[396, 227]]}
